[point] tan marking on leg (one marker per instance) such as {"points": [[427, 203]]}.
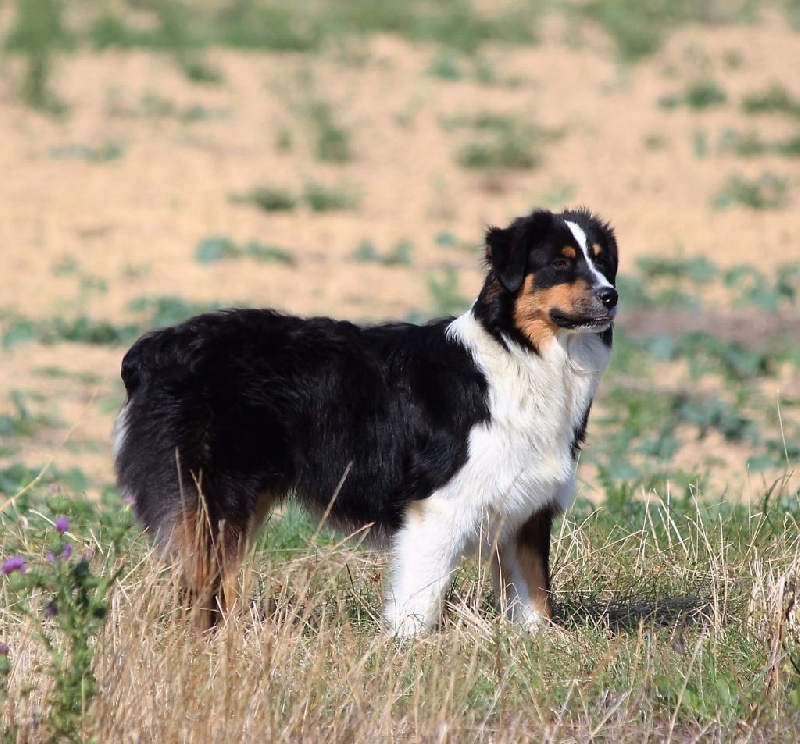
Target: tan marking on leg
{"points": [[533, 570], [533, 557], [209, 558], [415, 512], [191, 545]]}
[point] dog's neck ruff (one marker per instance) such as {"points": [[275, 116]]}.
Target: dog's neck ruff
{"points": [[582, 354], [538, 404]]}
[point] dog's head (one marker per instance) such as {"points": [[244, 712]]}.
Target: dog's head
{"points": [[551, 273]]}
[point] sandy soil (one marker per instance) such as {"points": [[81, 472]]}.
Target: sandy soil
{"points": [[88, 237]]}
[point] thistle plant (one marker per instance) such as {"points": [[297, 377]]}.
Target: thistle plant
{"points": [[67, 602]]}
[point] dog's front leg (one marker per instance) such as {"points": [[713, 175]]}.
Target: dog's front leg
{"points": [[425, 552], [521, 572]]}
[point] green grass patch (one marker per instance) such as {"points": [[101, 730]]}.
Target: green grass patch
{"points": [[219, 248], [501, 142], [322, 198], [398, 255], [767, 191], [331, 139], [105, 153], [38, 33], [675, 616], [774, 99], [267, 198]]}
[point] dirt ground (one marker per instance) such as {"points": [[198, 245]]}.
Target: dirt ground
{"points": [[90, 237]]}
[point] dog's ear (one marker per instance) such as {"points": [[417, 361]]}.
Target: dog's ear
{"points": [[507, 256], [507, 249]]}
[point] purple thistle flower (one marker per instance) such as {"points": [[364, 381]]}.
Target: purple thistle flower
{"points": [[51, 609], [62, 525], [67, 551], [51, 557], [4, 649], [14, 563]]}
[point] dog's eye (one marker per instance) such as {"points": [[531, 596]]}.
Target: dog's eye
{"points": [[561, 264]]}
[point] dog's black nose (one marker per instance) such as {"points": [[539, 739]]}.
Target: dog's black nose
{"points": [[608, 296]]}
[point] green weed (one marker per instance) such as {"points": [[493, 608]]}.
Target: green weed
{"points": [[59, 373], [457, 25], [267, 198], [773, 100], [332, 140], [105, 153], [508, 152], [322, 198], [399, 255], [445, 66], [55, 588], [504, 142], [21, 422], [38, 32], [219, 248], [166, 311], [640, 28], [768, 191], [704, 94], [445, 295], [198, 70], [248, 24]]}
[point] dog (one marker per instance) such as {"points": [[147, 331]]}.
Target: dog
{"points": [[438, 438]]}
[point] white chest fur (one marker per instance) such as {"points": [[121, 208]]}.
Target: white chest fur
{"points": [[521, 459]]}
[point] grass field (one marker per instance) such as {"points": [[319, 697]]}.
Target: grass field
{"points": [[164, 158]]}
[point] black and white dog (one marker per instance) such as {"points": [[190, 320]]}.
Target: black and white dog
{"points": [[436, 437]]}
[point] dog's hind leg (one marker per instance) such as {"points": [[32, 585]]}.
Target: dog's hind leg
{"points": [[209, 552]]}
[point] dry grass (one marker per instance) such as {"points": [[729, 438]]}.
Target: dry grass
{"points": [[671, 624]]}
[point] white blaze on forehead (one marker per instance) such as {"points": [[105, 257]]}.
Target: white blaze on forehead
{"points": [[580, 236]]}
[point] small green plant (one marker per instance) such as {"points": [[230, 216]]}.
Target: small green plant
{"points": [[332, 140], [704, 94], [321, 198], [283, 140], [220, 248], [105, 153], [66, 602], [774, 100], [699, 96], [267, 198], [80, 329], [508, 152], [21, 423], [637, 28], [445, 66], [655, 141], [503, 142], [197, 69], [38, 32], [399, 255], [444, 291], [768, 191]]}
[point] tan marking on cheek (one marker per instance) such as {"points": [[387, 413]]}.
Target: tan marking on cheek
{"points": [[597, 249], [531, 316], [568, 251], [533, 306]]}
